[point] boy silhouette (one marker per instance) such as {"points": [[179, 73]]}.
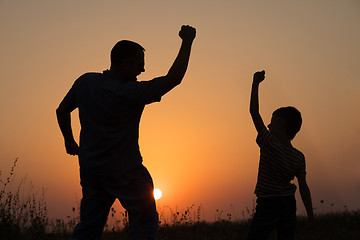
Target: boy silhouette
{"points": [[279, 163], [110, 107]]}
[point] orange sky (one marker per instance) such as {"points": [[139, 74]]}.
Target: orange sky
{"points": [[199, 142]]}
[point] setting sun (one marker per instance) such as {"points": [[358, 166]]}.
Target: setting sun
{"points": [[157, 194]]}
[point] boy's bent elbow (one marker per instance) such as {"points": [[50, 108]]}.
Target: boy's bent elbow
{"points": [[60, 111], [254, 113]]}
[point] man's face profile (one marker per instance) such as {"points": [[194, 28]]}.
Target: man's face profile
{"points": [[136, 65]]}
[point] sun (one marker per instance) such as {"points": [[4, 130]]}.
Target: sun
{"points": [[157, 194]]}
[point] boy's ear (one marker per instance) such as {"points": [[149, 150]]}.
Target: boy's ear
{"points": [[282, 123]]}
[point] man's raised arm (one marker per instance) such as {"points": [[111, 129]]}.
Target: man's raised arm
{"points": [[178, 69]]}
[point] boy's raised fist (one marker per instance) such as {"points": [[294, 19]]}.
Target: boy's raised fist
{"points": [[187, 32]]}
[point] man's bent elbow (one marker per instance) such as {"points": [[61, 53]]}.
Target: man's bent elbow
{"points": [[177, 81], [174, 79], [170, 83], [62, 111]]}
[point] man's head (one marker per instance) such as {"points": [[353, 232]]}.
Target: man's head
{"points": [[287, 119], [127, 59]]}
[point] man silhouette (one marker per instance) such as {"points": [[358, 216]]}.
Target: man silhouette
{"points": [[110, 107]]}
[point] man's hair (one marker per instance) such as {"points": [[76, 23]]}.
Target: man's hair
{"points": [[124, 49], [293, 120]]}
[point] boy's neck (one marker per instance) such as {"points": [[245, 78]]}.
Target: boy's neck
{"points": [[284, 139]]}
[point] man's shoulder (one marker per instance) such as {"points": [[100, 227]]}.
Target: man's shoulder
{"points": [[88, 78], [91, 75]]}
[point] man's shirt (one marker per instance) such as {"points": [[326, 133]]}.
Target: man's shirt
{"points": [[110, 109], [278, 166]]}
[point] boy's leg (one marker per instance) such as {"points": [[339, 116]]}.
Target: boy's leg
{"points": [[287, 223], [94, 210], [138, 200], [264, 220]]}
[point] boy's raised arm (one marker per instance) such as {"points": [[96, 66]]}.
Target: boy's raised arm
{"points": [[178, 69], [254, 101]]}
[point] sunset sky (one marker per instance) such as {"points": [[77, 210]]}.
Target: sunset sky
{"points": [[199, 141]]}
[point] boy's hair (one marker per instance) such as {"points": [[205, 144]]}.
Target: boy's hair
{"points": [[293, 119], [124, 49]]}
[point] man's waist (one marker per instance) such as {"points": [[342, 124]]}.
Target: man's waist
{"points": [[106, 166]]}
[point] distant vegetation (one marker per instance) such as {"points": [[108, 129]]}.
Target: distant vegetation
{"points": [[26, 218]]}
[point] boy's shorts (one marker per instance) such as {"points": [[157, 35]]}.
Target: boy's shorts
{"points": [[274, 213], [135, 193]]}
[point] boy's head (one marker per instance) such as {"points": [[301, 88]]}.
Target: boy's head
{"points": [[286, 118]]}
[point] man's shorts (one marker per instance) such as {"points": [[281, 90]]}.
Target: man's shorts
{"points": [[135, 193]]}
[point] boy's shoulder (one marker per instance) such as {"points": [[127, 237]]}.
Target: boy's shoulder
{"points": [[265, 137], [298, 152]]}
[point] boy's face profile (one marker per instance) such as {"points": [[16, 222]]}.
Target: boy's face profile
{"points": [[277, 125]]}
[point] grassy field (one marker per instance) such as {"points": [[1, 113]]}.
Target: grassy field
{"points": [[336, 226], [332, 226], [26, 218]]}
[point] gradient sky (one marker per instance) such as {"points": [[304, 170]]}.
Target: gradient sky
{"points": [[199, 142]]}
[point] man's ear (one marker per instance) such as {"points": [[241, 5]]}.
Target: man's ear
{"points": [[123, 64]]}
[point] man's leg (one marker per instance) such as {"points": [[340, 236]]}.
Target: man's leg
{"points": [[138, 200], [94, 210]]}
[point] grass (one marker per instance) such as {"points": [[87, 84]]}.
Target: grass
{"points": [[330, 226], [26, 218]]}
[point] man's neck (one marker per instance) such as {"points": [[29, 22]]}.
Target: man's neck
{"points": [[121, 74]]}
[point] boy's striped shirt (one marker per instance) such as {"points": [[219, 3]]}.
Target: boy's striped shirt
{"points": [[278, 166]]}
